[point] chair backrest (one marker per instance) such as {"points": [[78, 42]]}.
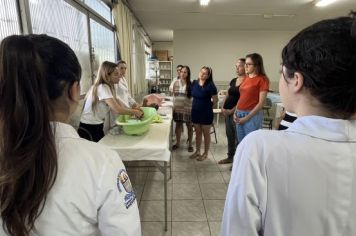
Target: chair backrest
{"points": [[222, 92], [221, 96], [268, 102], [84, 133]]}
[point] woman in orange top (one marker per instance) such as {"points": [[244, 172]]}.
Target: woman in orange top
{"points": [[253, 92]]}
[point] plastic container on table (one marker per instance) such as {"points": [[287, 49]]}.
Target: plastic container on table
{"points": [[133, 126]]}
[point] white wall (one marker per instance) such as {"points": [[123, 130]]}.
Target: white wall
{"points": [[221, 49]]}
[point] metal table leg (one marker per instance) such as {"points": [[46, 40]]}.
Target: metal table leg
{"points": [[165, 196]]}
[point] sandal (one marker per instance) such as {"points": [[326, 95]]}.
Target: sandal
{"points": [[225, 161], [190, 149], [194, 155], [202, 157], [174, 147]]}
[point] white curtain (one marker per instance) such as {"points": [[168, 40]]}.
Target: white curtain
{"points": [[132, 48], [139, 62], [124, 20]]}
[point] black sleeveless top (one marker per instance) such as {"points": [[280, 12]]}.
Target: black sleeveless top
{"points": [[234, 95]]}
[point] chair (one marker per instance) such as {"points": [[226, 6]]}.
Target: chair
{"points": [[217, 111], [267, 123], [84, 133], [267, 120], [211, 132], [214, 132]]}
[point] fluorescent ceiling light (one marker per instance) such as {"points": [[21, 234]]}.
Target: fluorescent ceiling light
{"points": [[323, 3], [204, 2]]}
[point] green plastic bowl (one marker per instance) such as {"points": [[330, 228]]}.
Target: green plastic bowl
{"points": [[137, 127]]}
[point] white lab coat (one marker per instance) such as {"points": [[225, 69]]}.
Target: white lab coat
{"points": [[102, 108], [91, 195], [172, 84], [297, 182], [122, 93]]}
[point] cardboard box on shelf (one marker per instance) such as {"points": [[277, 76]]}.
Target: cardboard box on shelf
{"points": [[162, 55]]}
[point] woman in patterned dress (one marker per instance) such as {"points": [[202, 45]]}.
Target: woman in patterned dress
{"points": [[182, 107]]}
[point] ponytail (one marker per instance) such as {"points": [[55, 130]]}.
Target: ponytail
{"points": [[28, 157]]}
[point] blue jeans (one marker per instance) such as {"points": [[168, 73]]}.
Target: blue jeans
{"points": [[252, 124]]}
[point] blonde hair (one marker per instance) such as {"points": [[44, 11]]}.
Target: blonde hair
{"points": [[103, 77]]}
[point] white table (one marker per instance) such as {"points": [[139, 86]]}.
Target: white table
{"points": [[151, 146], [155, 145]]}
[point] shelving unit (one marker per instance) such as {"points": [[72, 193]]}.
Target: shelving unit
{"points": [[165, 75]]}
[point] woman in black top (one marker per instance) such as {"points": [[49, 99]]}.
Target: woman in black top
{"points": [[228, 110]]}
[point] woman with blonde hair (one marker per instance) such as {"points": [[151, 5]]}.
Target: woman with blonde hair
{"points": [[101, 98]]}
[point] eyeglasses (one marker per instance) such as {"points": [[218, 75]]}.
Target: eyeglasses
{"points": [[287, 74], [249, 64]]}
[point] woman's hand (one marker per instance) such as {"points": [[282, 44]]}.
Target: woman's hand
{"points": [[231, 111], [242, 120], [138, 113], [224, 111], [236, 119], [227, 112], [136, 106]]}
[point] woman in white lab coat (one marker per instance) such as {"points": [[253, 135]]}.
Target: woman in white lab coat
{"points": [[52, 182], [100, 100], [122, 88], [302, 181]]}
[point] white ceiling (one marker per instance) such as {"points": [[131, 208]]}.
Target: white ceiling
{"points": [[161, 17]]}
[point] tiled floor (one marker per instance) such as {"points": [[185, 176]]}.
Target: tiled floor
{"points": [[196, 193]]}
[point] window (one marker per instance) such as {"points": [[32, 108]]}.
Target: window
{"points": [[61, 20], [69, 21], [100, 7], [103, 44], [9, 23]]}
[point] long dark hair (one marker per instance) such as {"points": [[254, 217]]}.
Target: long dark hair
{"points": [[188, 82], [210, 73], [35, 71], [325, 54], [258, 63]]}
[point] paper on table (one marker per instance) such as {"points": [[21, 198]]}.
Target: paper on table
{"points": [[163, 111], [167, 104]]}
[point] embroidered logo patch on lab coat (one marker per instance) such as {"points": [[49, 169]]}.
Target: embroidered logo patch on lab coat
{"points": [[124, 184]]}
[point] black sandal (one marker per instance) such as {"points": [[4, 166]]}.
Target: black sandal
{"points": [[190, 149], [174, 147], [225, 161]]}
